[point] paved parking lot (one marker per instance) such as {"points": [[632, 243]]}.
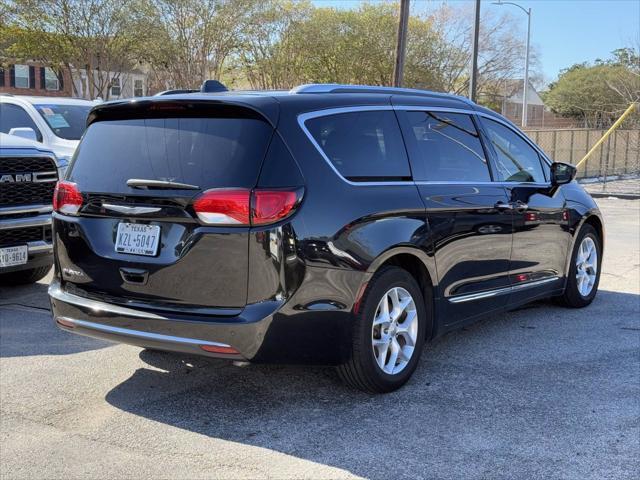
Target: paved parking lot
{"points": [[539, 392]]}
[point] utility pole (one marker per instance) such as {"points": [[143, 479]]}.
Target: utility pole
{"points": [[525, 86], [473, 82], [401, 45]]}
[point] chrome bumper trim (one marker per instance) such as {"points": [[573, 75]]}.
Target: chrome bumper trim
{"points": [[40, 246], [139, 334], [500, 291], [25, 209], [56, 292], [39, 221]]}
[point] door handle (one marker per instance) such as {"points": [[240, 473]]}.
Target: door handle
{"points": [[503, 206]]}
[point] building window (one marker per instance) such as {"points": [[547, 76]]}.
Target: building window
{"points": [[115, 87], [51, 80], [138, 88], [22, 76]]}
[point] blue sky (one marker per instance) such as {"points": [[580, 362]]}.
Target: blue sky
{"points": [[564, 32]]}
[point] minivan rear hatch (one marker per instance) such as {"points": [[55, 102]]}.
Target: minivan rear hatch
{"points": [[139, 170]]}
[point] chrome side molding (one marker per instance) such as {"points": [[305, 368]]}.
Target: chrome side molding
{"points": [[501, 291]]}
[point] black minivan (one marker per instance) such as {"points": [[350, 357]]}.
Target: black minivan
{"points": [[331, 224]]}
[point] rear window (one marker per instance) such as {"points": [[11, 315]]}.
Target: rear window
{"points": [[208, 152], [362, 145]]}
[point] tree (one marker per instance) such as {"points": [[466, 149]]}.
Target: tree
{"points": [[597, 94], [196, 38], [99, 38]]}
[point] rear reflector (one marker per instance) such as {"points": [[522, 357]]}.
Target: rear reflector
{"points": [[65, 322], [67, 198], [243, 207], [220, 349]]}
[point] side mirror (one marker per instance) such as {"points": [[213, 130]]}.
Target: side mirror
{"points": [[562, 173], [24, 132]]}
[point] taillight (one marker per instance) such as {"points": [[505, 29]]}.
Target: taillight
{"points": [[67, 198], [224, 207], [270, 206], [245, 207]]}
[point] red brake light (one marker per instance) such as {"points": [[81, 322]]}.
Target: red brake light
{"points": [[223, 207], [243, 207], [67, 198], [269, 206]]}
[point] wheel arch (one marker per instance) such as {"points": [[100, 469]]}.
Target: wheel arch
{"points": [[594, 219], [421, 268]]}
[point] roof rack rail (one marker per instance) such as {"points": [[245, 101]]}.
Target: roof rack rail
{"points": [[342, 88]]}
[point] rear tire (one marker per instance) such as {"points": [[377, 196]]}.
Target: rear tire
{"points": [[384, 354], [22, 277], [582, 282]]}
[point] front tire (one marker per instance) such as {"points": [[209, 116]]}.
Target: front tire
{"points": [[584, 273], [388, 333]]}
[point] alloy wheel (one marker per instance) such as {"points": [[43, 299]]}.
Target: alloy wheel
{"points": [[586, 266], [394, 331]]}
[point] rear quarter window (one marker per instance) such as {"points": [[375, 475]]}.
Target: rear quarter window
{"points": [[208, 152], [362, 146]]}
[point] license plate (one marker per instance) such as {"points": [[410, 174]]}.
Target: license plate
{"points": [[12, 256], [137, 239]]}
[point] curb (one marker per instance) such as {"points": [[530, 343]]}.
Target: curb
{"points": [[623, 196]]}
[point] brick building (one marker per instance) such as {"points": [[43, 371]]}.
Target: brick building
{"points": [[31, 78], [34, 79]]}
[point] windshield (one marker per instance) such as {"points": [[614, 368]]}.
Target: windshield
{"points": [[66, 121]]}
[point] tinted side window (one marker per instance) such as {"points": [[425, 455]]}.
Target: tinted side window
{"points": [[516, 160], [362, 145], [448, 146], [14, 116]]}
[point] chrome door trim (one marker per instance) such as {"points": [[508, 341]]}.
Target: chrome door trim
{"points": [[501, 291]]}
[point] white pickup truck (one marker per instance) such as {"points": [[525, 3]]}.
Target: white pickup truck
{"points": [[28, 175], [57, 123]]}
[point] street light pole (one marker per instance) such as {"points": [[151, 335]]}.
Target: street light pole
{"points": [[401, 45], [525, 87], [526, 74], [473, 79]]}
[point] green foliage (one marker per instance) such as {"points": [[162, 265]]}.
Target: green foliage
{"points": [[597, 94]]}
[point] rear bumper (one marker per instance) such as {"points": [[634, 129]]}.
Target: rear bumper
{"points": [[235, 338], [311, 327]]}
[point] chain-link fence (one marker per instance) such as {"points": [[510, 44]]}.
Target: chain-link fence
{"points": [[614, 166]]}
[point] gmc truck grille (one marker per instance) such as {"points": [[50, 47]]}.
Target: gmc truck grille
{"points": [[17, 236], [17, 175]]}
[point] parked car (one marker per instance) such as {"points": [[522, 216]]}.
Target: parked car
{"points": [[331, 224], [28, 176], [56, 122]]}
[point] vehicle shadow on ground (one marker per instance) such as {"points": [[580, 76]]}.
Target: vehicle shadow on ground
{"points": [[479, 392], [27, 329]]}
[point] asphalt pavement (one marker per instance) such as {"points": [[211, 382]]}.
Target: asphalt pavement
{"points": [[542, 392]]}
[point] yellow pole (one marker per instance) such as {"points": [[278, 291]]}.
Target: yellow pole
{"points": [[626, 113]]}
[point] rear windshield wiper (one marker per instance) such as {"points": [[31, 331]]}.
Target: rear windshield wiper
{"points": [[160, 184]]}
